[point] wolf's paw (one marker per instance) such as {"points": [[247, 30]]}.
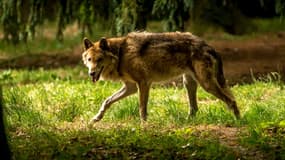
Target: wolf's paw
{"points": [[95, 119]]}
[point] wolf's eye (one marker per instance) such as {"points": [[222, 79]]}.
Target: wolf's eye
{"points": [[89, 59]]}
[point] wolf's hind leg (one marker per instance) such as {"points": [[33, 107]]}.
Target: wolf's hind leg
{"points": [[212, 87], [126, 90], [191, 87], [208, 80], [232, 106]]}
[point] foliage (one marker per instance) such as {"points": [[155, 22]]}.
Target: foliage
{"points": [[176, 12], [280, 7], [126, 17], [47, 113], [11, 20], [35, 18], [21, 19], [131, 15]]}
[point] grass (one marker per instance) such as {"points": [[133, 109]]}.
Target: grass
{"points": [[46, 42], [47, 113], [269, 25], [39, 46]]}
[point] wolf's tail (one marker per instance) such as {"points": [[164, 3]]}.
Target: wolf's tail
{"points": [[219, 72]]}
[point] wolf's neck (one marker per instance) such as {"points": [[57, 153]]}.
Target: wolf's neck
{"points": [[110, 72], [116, 45]]}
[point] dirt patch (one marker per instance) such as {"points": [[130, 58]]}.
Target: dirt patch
{"points": [[243, 59], [230, 138], [43, 60], [40, 61]]}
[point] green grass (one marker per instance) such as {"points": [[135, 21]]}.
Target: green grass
{"points": [[269, 25], [47, 113], [39, 46], [45, 41]]}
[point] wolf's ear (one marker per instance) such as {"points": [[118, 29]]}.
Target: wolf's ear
{"points": [[87, 43], [103, 44]]}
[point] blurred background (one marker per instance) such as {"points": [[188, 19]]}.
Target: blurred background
{"points": [[27, 20]]}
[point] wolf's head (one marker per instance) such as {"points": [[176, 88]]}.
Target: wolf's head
{"points": [[97, 56]]}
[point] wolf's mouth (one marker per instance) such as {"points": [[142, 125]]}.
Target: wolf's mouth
{"points": [[95, 77]]}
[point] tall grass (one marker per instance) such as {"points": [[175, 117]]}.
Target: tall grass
{"points": [[47, 113]]}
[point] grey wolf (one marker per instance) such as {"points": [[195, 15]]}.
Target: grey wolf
{"points": [[141, 58]]}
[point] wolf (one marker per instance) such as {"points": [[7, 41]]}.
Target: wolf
{"points": [[142, 58]]}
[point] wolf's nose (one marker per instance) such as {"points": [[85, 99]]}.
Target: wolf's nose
{"points": [[92, 73]]}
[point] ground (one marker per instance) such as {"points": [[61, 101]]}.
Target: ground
{"points": [[229, 137], [243, 59], [256, 56]]}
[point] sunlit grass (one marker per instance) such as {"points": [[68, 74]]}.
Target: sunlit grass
{"points": [[47, 113], [68, 94]]}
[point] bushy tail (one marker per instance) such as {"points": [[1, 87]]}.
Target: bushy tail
{"points": [[219, 73]]}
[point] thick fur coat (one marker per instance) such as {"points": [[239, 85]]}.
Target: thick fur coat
{"points": [[141, 58]]}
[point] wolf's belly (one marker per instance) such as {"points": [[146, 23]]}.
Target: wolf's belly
{"points": [[166, 74]]}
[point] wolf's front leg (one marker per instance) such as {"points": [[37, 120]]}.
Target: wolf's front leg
{"points": [[143, 98], [191, 87], [126, 90]]}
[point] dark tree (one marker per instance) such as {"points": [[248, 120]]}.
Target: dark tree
{"points": [[4, 151]]}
